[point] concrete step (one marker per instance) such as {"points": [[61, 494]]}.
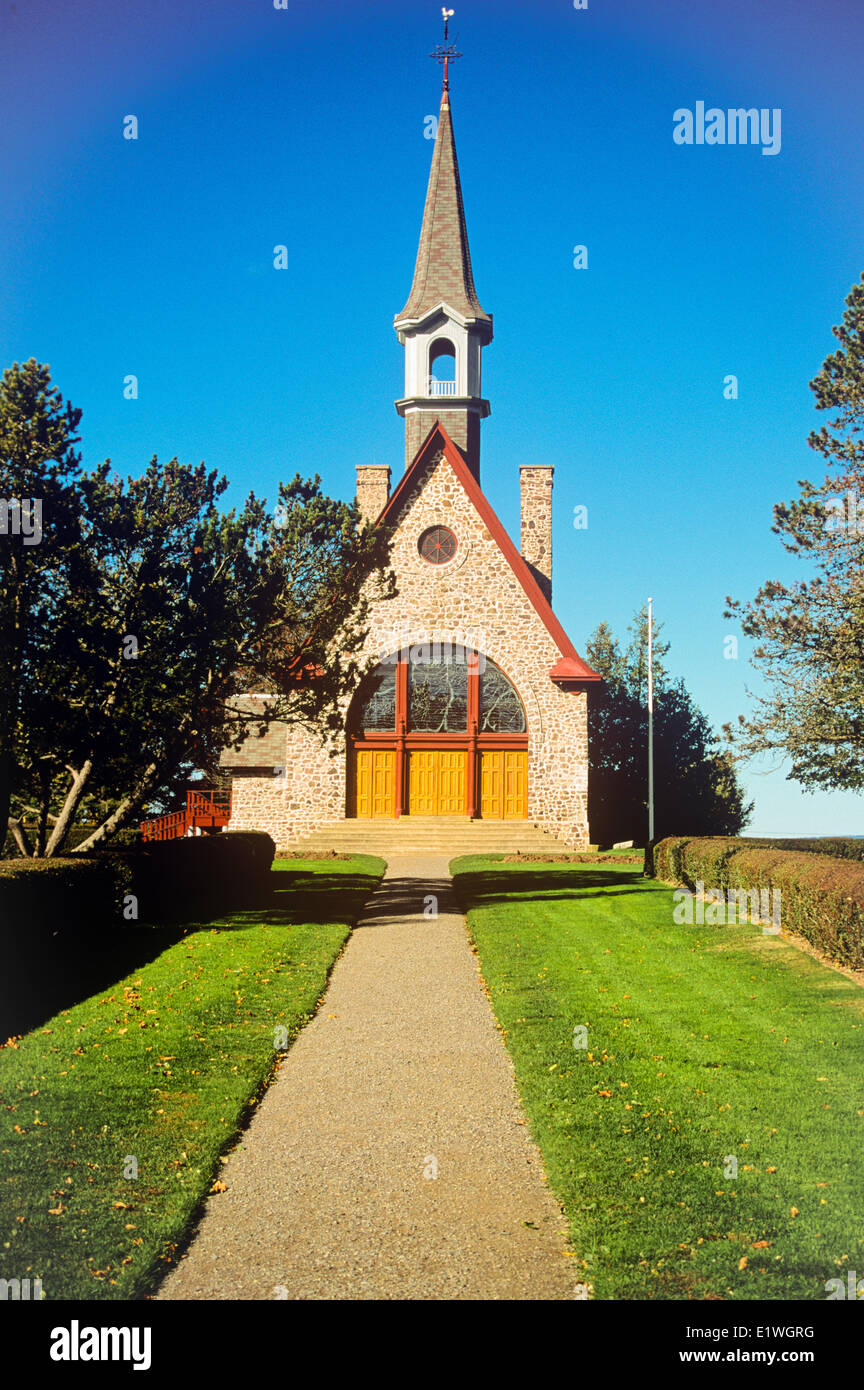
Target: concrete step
{"points": [[416, 839], [451, 835], [456, 824], [419, 832]]}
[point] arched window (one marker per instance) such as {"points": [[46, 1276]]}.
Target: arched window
{"points": [[501, 710], [442, 368], [377, 705], [437, 689]]}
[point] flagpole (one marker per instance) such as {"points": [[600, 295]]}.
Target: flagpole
{"points": [[650, 721]]}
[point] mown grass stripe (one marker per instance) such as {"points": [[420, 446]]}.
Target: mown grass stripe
{"points": [[703, 1043], [161, 1067]]}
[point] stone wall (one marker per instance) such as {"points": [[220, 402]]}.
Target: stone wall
{"points": [[475, 600], [308, 794], [373, 489], [535, 483]]}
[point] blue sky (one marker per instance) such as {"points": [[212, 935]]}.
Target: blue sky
{"points": [[305, 127]]}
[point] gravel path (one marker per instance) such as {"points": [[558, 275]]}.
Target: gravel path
{"points": [[401, 1074]]}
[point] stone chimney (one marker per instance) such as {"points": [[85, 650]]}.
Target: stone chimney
{"points": [[373, 489], [535, 481]]}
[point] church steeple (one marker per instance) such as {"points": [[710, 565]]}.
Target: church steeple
{"points": [[443, 270], [443, 325]]}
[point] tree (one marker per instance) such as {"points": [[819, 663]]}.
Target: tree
{"points": [[153, 612], [696, 790], [39, 487], [810, 634]]}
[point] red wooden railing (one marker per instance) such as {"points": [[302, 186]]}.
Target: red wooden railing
{"points": [[204, 810]]}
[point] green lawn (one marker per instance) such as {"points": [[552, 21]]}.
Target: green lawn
{"points": [[161, 1067], [702, 1043]]}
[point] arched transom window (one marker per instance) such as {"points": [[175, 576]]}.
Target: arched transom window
{"points": [[434, 688]]}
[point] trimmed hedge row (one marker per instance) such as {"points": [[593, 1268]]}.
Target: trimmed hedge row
{"points": [[838, 847], [171, 880], [198, 876], [44, 896], [822, 898]]}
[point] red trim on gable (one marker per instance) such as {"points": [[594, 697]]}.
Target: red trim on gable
{"points": [[572, 668]]}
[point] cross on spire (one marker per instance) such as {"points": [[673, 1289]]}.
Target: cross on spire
{"points": [[446, 53]]}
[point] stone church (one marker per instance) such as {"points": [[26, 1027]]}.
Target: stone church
{"points": [[477, 703]]}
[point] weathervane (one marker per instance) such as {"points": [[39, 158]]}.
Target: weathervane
{"points": [[446, 52]]}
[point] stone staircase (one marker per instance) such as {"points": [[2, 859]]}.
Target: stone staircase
{"points": [[450, 835]]}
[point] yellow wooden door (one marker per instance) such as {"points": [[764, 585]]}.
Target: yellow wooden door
{"points": [[515, 785], [491, 786], [423, 783], [376, 783], [452, 787], [504, 785], [437, 783]]}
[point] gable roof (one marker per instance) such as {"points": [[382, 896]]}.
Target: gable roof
{"points": [[571, 668]]}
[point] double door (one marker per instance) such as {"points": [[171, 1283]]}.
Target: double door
{"points": [[504, 785], [437, 782]]}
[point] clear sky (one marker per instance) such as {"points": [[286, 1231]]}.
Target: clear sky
{"points": [[304, 126]]}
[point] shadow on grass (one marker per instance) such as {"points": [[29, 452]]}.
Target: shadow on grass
{"points": [[321, 898], [477, 888], [43, 973]]}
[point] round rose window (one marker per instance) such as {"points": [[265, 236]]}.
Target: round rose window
{"points": [[437, 545]]}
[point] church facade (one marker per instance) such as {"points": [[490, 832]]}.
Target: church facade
{"points": [[476, 703]]}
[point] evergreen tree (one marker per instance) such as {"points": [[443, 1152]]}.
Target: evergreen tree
{"points": [[132, 628], [696, 789], [810, 634]]}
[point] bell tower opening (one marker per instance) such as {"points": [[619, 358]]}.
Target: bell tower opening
{"points": [[442, 368]]}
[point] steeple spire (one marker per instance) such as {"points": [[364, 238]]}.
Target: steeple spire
{"points": [[443, 321], [443, 270]]}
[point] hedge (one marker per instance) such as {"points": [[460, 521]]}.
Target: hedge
{"points": [[199, 875], [822, 897], [170, 880], [838, 847], [46, 896]]}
